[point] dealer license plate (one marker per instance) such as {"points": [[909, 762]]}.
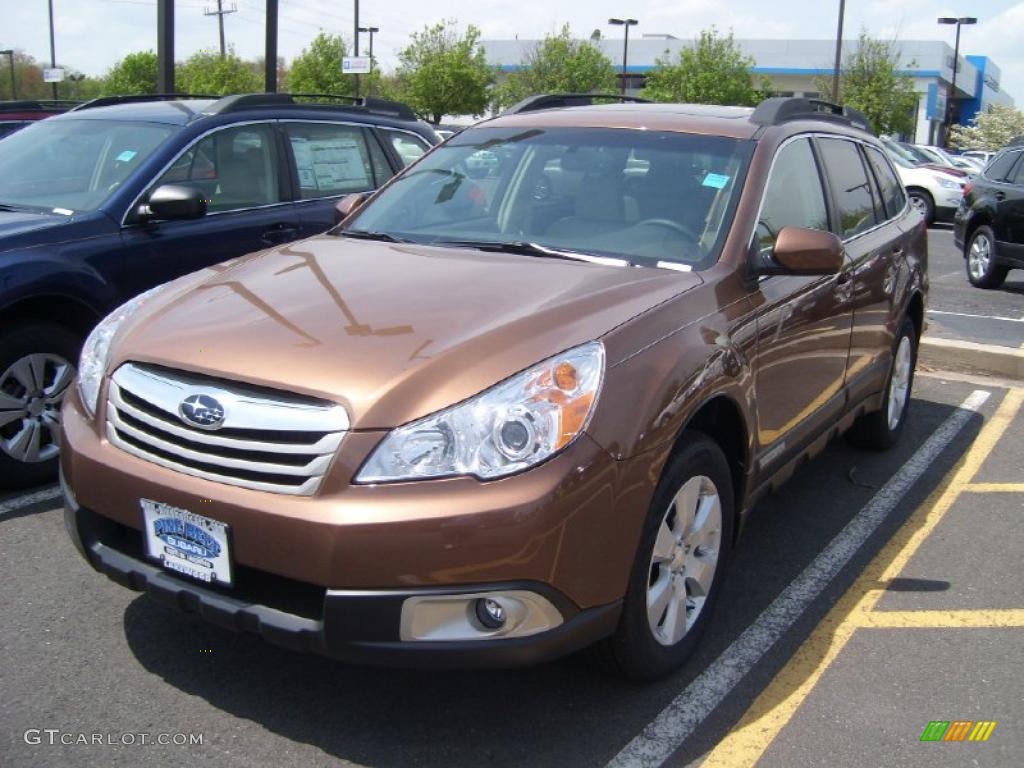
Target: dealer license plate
{"points": [[188, 543]]}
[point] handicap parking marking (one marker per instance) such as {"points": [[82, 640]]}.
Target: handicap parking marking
{"points": [[688, 709], [778, 702], [28, 499]]}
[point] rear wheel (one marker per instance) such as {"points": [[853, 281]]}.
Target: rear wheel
{"points": [[36, 369], [980, 253], [881, 429], [678, 569]]}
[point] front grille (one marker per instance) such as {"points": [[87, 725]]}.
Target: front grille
{"points": [[268, 441]]}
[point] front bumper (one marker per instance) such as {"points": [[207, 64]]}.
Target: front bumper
{"points": [[357, 626]]}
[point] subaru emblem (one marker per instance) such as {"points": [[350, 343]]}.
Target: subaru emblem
{"points": [[201, 411]]}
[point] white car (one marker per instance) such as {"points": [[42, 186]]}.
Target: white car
{"points": [[939, 155], [934, 193]]}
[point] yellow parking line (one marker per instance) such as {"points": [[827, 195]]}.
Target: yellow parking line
{"points": [[984, 618], [777, 703], [995, 487]]}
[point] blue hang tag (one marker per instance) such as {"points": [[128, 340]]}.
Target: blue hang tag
{"points": [[716, 180]]}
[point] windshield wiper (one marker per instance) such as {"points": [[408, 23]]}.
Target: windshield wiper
{"points": [[524, 248], [362, 234]]}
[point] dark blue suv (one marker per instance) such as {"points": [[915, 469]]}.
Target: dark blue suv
{"points": [[124, 193]]}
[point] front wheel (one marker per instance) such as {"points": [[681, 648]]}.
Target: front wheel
{"points": [[982, 270], [36, 370], [677, 573], [922, 202], [881, 429]]}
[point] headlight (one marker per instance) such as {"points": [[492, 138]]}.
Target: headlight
{"points": [[96, 350], [949, 184], [510, 427]]}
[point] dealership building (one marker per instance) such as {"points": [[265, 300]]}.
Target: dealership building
{"points": [[794, 66]]}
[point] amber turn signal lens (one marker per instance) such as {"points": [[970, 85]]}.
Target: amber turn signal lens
{"points": [[566, 377]]}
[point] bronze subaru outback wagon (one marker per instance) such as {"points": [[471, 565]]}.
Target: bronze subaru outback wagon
{"points": [[520, 401]]}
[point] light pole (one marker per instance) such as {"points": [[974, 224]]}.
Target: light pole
{"points": [[10, 53], [627, 23], [371, 31], [963, 20]]}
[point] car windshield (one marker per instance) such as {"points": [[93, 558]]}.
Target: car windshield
{"points": [[73, 165], [642, 196]]}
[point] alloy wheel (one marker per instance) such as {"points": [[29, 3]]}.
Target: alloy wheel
{"points": [[684, 561], [899, 383], [31, 392], [979, 256]]}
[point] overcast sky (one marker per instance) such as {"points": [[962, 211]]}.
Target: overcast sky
{"points": [[93, 34]]}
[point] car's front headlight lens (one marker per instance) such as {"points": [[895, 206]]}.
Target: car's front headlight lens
{"points": [[950, 184], [96, 350], [508, 428]]}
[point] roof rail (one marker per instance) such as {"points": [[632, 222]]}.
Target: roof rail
{"points": [[781, 109], [245, 101], [558, 100], [42, 105], [106, 101]]}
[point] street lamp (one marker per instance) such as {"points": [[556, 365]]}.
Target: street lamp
{"points": [[371, 30], [627, 23], [10, 53], [962, 21]]}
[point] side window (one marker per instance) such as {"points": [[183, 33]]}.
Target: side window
{"points": [[892, 189], [382, 169], [235, 168], [409, 148], [999, 168], [330, 159], [1018, 171], [851, 187], [793, 197]]}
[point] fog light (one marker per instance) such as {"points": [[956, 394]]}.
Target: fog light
{"points": [[490, 613]]}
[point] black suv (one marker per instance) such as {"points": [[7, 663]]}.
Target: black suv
{"points": [[122, 194], [989, 224]]}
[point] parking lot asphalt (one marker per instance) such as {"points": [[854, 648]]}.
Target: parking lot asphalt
{"points": [[958, 310], [873, 594]]}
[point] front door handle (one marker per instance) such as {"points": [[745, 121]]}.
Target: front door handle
{"points": [[279, 233]]}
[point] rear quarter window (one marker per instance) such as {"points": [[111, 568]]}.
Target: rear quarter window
{"points": [[1000, 167]]}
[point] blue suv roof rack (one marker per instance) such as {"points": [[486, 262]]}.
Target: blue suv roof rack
{"points": [[106, 101], [240, 102]]}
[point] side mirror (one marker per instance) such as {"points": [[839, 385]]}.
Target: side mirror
{"points": [[174, 201], [348, 205], [800, 251]]}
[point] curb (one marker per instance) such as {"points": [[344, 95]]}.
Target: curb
{"points": [[967, 356]]}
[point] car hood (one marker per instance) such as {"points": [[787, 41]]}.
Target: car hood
{"points": [[22, 222], [392, 331]]}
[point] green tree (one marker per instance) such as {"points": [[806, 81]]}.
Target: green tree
{"points": [[207, 72], [712, 71], [135, 73], [869, 80], [318, 68], [559, 64], [992, 129], [442, 72]]}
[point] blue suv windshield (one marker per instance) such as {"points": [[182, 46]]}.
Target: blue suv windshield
{"points": [[67, 166]]}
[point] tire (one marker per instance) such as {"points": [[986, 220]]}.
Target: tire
{"points": [[37, 365], [980, 259], [881, 429], [922, 201], [643, 649]]}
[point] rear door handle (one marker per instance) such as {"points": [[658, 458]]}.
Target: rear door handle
{"points": [[1000, 195], [279, 233]]}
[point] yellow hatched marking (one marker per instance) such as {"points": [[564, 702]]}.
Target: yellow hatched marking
{"points": [[982, 730], [777, 703]]}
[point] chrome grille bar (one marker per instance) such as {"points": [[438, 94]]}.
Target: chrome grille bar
{"points": [[274, 441]]}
